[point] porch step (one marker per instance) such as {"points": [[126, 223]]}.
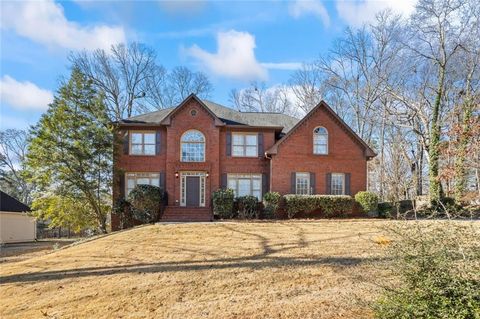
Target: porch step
{"points": [[187, 214]]}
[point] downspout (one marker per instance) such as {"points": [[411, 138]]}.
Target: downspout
{"points": [[270, 169]]}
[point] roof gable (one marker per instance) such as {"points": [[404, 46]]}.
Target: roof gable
{"points": [[367, 150], [10, 204], [167, 120]]}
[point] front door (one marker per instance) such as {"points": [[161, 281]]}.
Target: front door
{"points": [[192, 191]]}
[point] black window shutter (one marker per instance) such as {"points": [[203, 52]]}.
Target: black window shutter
{"points": [[312, 183], [347, 184], [224, 181], [293, 182], [260, 145], [328, 183], [229, 144], [126, 143], [265, 183], [158, 142], [121, 177], [162, 181]]}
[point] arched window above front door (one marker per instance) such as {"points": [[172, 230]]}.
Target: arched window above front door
{"points": [[193, 146], [320, 140]]}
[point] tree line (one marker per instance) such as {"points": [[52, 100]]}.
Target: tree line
{"points": [[409, 86]]}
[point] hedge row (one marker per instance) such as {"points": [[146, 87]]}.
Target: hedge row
{"points": [[329, 205], [247, 207]]}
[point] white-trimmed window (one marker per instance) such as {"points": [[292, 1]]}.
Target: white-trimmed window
{"points": [[302, 183], [134, 179], [193, 146], [245, 184], [338, 184], [245, 144], [320, 141], [142, 143]]}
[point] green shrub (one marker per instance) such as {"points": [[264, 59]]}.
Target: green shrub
{"points": [[123, 210], [147, 203], [368, 201], [271, 201], [223, 199], [330, 205], [438, 272], [248, 207]]}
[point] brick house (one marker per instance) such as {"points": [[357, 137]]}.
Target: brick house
{"points": [[199, 146]]}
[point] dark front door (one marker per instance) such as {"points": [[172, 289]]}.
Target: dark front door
{"points": [[193, 190]]}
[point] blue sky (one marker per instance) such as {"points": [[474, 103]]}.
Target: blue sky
{"points": [[234, 43]]}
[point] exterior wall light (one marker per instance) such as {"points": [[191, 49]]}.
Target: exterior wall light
{"points": [[206, 175], [176, 174]]}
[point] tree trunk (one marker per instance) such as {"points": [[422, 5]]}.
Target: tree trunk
{"points": [[435, 188]]}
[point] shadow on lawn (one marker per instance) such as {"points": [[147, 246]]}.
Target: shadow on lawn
{"points": [[261, 260]]}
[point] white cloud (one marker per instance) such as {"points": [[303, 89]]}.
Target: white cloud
{"points": [[358, 12], [312, 7], [45, 22], [282, 65], [235, 57], [24, 95]]}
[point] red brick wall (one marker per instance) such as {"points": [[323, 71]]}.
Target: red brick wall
{"points": [[295, 154]]}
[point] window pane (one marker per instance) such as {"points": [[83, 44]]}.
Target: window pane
{"points": [[149, 149], [257, 194], [237, 151], [232, 183], [193, 136], [136, 149], [155, 182], [137, 138], [251, 151], [193, 152], [257, 184], [251, 140], [320, 149], [303, 183], [143, 181], [149, 138], [130, 183], [238, 139], [244, 187]]}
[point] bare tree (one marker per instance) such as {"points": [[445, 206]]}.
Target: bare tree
{"points": [[133, 82], [13, 149], [259, 98]]}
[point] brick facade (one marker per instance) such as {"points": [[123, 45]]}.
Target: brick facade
{"points": [[292, 153]]}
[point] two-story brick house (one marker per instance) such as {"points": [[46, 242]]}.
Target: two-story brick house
{"points": [[199, 146]]}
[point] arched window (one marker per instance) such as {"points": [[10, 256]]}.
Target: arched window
{"points": [[193, 146], [320, 140]]}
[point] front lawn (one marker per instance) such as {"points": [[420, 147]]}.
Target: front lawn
{"points": [[291, 269]]}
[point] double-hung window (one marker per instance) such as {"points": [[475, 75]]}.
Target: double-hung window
{"points": [[338, 184], [302, 183], [320, 141], [134, 179], [246, 184], [244, 144], [142, 143], [192, 146]]}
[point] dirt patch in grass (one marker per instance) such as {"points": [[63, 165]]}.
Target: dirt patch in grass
{"points": [[292, 269]]}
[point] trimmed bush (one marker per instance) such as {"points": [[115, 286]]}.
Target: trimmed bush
{"points": [[368, 201], [248, 207], [223, 199], [330, 205], [271, 201], [147, 203], [123, 210]]}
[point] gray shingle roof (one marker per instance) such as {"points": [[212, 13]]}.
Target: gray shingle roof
{"points": [[228, 115]]}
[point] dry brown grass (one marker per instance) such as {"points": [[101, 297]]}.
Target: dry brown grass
{"points": [[294, 269]]}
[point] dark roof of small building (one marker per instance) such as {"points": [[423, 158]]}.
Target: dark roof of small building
{"points": [[227, 115], [10, 204]]}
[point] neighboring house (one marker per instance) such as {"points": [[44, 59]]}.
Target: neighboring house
{"points": [[199, 146], [15, 224]]}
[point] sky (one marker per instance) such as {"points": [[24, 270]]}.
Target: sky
{"points": [[233, 42]]}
